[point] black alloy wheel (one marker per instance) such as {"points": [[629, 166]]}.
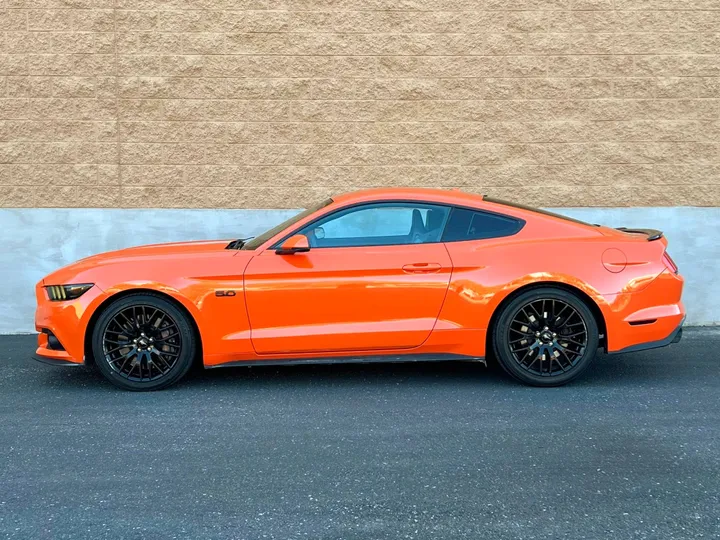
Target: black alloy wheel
{"points": [[143, 342], [546, 337]]}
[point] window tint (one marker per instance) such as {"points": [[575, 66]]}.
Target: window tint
{"points": [[536, 210], [384, 224], [267, 235], [467, 224]]}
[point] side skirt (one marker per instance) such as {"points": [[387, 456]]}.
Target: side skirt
{"points": [[371, 359]]}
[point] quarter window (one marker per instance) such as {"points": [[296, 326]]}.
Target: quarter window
{"points": [[384, 224], [467, 224]]}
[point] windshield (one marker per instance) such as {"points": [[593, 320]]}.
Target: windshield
{"points": [[267, 235]]}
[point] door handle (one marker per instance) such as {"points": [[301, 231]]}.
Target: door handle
{"points": [[421, 268]]}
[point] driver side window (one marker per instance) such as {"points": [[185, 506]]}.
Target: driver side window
{"points": [[384, 224]]}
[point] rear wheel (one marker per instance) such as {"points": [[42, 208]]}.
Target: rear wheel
{"points": [[546, 337], [143, 342]]}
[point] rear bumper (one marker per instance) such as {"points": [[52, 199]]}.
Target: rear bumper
{"points": [[646, 319], [674, 337]]}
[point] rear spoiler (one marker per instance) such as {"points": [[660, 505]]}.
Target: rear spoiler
{"points": [[652, 234]]}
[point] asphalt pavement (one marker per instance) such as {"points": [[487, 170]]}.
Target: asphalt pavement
{"points": [[438, 450]]}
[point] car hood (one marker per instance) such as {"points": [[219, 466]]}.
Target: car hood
{"points": [[164, 253]]}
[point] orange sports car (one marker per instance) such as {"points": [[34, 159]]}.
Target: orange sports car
{"points": [[379, 275]]}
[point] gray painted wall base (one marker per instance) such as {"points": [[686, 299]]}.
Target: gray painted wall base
{"points": [[37, 241]]}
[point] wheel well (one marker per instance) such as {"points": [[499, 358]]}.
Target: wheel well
{"points": [[584, 298], [89, 360]]}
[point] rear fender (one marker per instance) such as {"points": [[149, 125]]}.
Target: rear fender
{"points": [[469, 305]]}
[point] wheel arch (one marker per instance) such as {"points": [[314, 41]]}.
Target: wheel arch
{"points": [[582, 295], [87, 339]]}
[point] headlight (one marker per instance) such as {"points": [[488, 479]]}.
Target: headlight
{"points": [[57, 293]]}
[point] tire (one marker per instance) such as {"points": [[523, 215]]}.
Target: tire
{"points": [[143, 342], [545, 337]]}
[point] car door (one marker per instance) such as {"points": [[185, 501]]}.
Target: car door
{"points": [[375, 277]]}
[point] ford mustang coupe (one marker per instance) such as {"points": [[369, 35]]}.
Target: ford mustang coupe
{"points": [[379, 275]]}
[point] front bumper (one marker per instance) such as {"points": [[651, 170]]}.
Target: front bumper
{"points": [[47, 355], [53, 362], [67, 321]]}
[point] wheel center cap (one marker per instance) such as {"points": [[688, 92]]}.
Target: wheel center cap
{"points": [[547, 337], [142, 342]]}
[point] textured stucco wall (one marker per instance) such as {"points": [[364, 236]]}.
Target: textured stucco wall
{"points": [[38, 241], [272, 103]]}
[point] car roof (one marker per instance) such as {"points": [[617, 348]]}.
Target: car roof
{"points": [[455, 197], [448, 196]]}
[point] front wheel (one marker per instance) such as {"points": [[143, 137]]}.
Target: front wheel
{"points": [[143, 342], [546, 337]]}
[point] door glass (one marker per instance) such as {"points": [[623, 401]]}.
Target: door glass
{"points": [[467, 224], [384, 224]]}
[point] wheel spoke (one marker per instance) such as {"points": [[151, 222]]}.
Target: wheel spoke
{"points": [[562, 352], [128, 354], [124, 346], [540, 317], [117, 342], [132, 325], [530, 321], [151, 318], [127, 358], [555, 359], [521, 333], [159, 357], [168, 337], [528, 353], [537, 357], [136, 364], [557, 315], [564, 336], [160, 320]]}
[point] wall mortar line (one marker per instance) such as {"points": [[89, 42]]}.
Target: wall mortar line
{"points": [[118, 148]]}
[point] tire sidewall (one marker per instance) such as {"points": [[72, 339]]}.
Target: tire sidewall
{"points": [[501, 332], [188, 340]]}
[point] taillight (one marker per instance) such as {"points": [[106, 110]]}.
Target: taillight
{"points": [[669, 263]]}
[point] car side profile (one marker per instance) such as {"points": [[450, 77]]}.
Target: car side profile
{"points": [[377, 275]]}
